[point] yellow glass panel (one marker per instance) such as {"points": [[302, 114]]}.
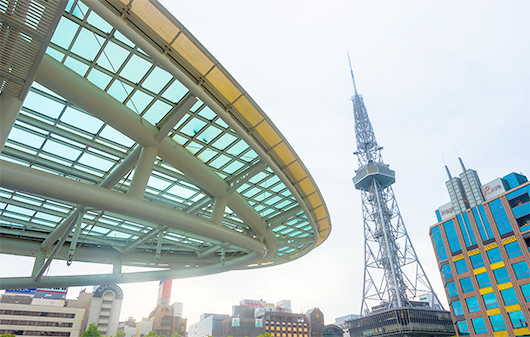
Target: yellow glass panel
{"points": [[458, 258], [323, 224], [503, 333], [492, 312], [521, 331], [474, 252], [307, 186], [191, 53], [486, 290], [320, 212], [479, 270], [268, 133], [157, 21], [506, 285], [315, 200], [223, 84], [248, 111], [493, 245], [509, 240], [497, 265], [511, 308], [297, 171], [321, 239], [284, 153]]}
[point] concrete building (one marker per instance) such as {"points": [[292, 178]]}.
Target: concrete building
{"points": [[481, 243], [50, 317], [105, 308], [167, 319], [282, 324], [129, 327], [245, 324], [143, 327]]}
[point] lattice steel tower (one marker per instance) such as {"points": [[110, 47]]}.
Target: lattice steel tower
{"points": [[393, 275]]}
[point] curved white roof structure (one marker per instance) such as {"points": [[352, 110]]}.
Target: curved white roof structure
{"points": [[125, 142]]}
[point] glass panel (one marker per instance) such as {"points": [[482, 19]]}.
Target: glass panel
{"points": [[461, 266], [446, 269], [477, 261], [452, 237], [509, 296], [518, 319], [501, 275], [494, 255], [457, 308], [472, 304], [501, 219], [438, 242], [479, 325], [467, 285], [490, 301], [525, 288], [521, 270], [513, 249], [483, 280]]}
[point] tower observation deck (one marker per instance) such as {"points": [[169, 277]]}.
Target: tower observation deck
{"points": [[398, 298]]}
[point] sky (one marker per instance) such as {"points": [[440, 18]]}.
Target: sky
{"points": [[439, 80]]}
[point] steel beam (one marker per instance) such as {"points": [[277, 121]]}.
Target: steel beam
{"points": [[26, 179], [235, 182], [130, 246], [219, 211], [202, 202], [67, 223], [175, 115], [280, 218], [142, 172], [9, 108]]}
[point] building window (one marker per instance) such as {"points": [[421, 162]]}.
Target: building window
{"points": [[481, 228], [451, 289], [446, 269], [470, 229], [452, 238], [467, 232], [472, 304], [509, 296], [483, 280], [521, 270], [525, 288], [467, 285], [490, 301], [462, 327], [501, 275], [479, 325], [518, 320], [438, 242], [486, 221], [513, 249], [457, 308], [494, 255], [461, 266], [476, 261], [501, 219], [497, 322]]}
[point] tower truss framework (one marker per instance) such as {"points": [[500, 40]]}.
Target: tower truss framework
{"points": [[393, 274]]}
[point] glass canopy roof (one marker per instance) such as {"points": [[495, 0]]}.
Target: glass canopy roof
{"points": [[223, 129]]}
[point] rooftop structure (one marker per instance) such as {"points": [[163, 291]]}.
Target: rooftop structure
{"points": [[394, 279], [481, 246], [124, 141]]}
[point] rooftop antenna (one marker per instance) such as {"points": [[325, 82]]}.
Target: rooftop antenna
{"points": [[447, 169], [460, 160], [351, 70]]}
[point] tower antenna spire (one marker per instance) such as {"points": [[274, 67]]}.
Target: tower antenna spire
{"points": [[351, 71]]}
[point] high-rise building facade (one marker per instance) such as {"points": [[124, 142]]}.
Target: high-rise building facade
{"points": [[481, 242]]}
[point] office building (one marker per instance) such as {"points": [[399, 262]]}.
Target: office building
{"points": [[209, 325], [105, 308], [481, 244]]}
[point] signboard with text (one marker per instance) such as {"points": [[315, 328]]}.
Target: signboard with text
{"points": [[235, 321], [447, 211], [493, 189], [58, 293], [253, 303]]}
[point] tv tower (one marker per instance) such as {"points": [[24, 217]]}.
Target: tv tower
{"points": [[393, 275]]}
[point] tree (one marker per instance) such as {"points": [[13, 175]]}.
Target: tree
{"points": [[92, 331], [176, 334], [120, 333], [7, 335], [151, 333]]}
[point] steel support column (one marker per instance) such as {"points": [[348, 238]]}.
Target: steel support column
{"points": [[9, 108], [142, 172]]}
